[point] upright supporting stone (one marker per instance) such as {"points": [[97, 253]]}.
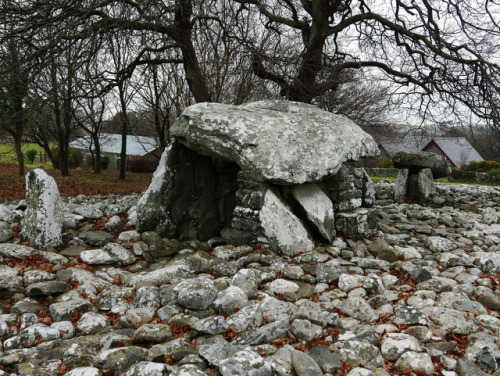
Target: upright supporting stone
{"points": [[42, 224], [426, 185], [401, 186], [368, 190]]}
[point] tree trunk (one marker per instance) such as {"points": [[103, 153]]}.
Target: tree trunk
{"points": [[19, 153], [182, 35], [124, 121], [97, 149]]}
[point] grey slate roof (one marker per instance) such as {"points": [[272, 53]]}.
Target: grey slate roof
{"points": [[409, 145], [456, 149], [111, 144]]}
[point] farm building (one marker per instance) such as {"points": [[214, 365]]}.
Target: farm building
{"points": [[457, 150], [137, 147]]}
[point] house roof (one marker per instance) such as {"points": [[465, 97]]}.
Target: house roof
{"points": [[409, 145], [111, 144], [457, 149]]}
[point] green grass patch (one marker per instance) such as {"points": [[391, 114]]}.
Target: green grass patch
{"points": [[8, 155]]}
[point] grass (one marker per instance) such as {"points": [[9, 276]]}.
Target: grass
{"points": [[441, 180], [8, 155], [82, 181]]}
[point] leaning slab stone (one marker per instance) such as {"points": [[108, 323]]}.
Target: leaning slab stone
{"points": [[426, 185], [42, 224], [318, 208], [261, 137], [401, 186], [422, 159], [283, 229]]}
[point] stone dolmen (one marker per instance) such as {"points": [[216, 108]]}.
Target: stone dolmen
{"points": [[270, 172], [417, 173]]}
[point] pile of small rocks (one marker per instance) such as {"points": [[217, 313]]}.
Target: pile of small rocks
{"points": [[421, 297]]}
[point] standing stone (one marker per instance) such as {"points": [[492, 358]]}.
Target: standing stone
{"points": [[426, 185], [368, 190], [283, 229], [42, 224], [401, 186], [152, 206], [318, 208]]}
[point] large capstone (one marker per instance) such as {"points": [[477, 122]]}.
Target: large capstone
{"points": [[274, 141], [416, 161], [42, 224]]}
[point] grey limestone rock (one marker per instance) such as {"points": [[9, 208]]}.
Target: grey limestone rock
{"points": [[358, 308], [395, 344], [305, 365], [196, 293], [283, 229], [84, 371], [426, 185], [318, 208], [42, 223], [120, 359], [216, 350], [96, 238], [245, 363], [91, 323], [110, 254], [5, 232], [326, 359], [261, 137], [66, 310], [228, 300], [414, 361], [401, 186], [154, 333], [145, 368]]}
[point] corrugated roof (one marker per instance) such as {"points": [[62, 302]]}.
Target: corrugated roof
{"points": [[457, 149], [112, 144]]}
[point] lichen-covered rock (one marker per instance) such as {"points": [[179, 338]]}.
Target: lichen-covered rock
{"points": [[245, 363], [261, 137], [318, 208], [196, 293], [42, 223], [283, 229], [401, 186], [426, 185]]}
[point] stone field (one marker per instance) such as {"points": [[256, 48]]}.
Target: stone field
{"points": [[420, 297]]}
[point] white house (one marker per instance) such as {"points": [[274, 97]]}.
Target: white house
{"points": [[111, 145]]}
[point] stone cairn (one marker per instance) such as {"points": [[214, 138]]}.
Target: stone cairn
{"points": [[417, 171], [280, 173]]}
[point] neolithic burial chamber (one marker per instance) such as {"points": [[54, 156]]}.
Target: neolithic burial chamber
{"points": [[273, 172]]}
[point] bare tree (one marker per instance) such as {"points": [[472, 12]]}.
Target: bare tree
{"points": [[13, 94], [91, 105], [437, 50]]}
